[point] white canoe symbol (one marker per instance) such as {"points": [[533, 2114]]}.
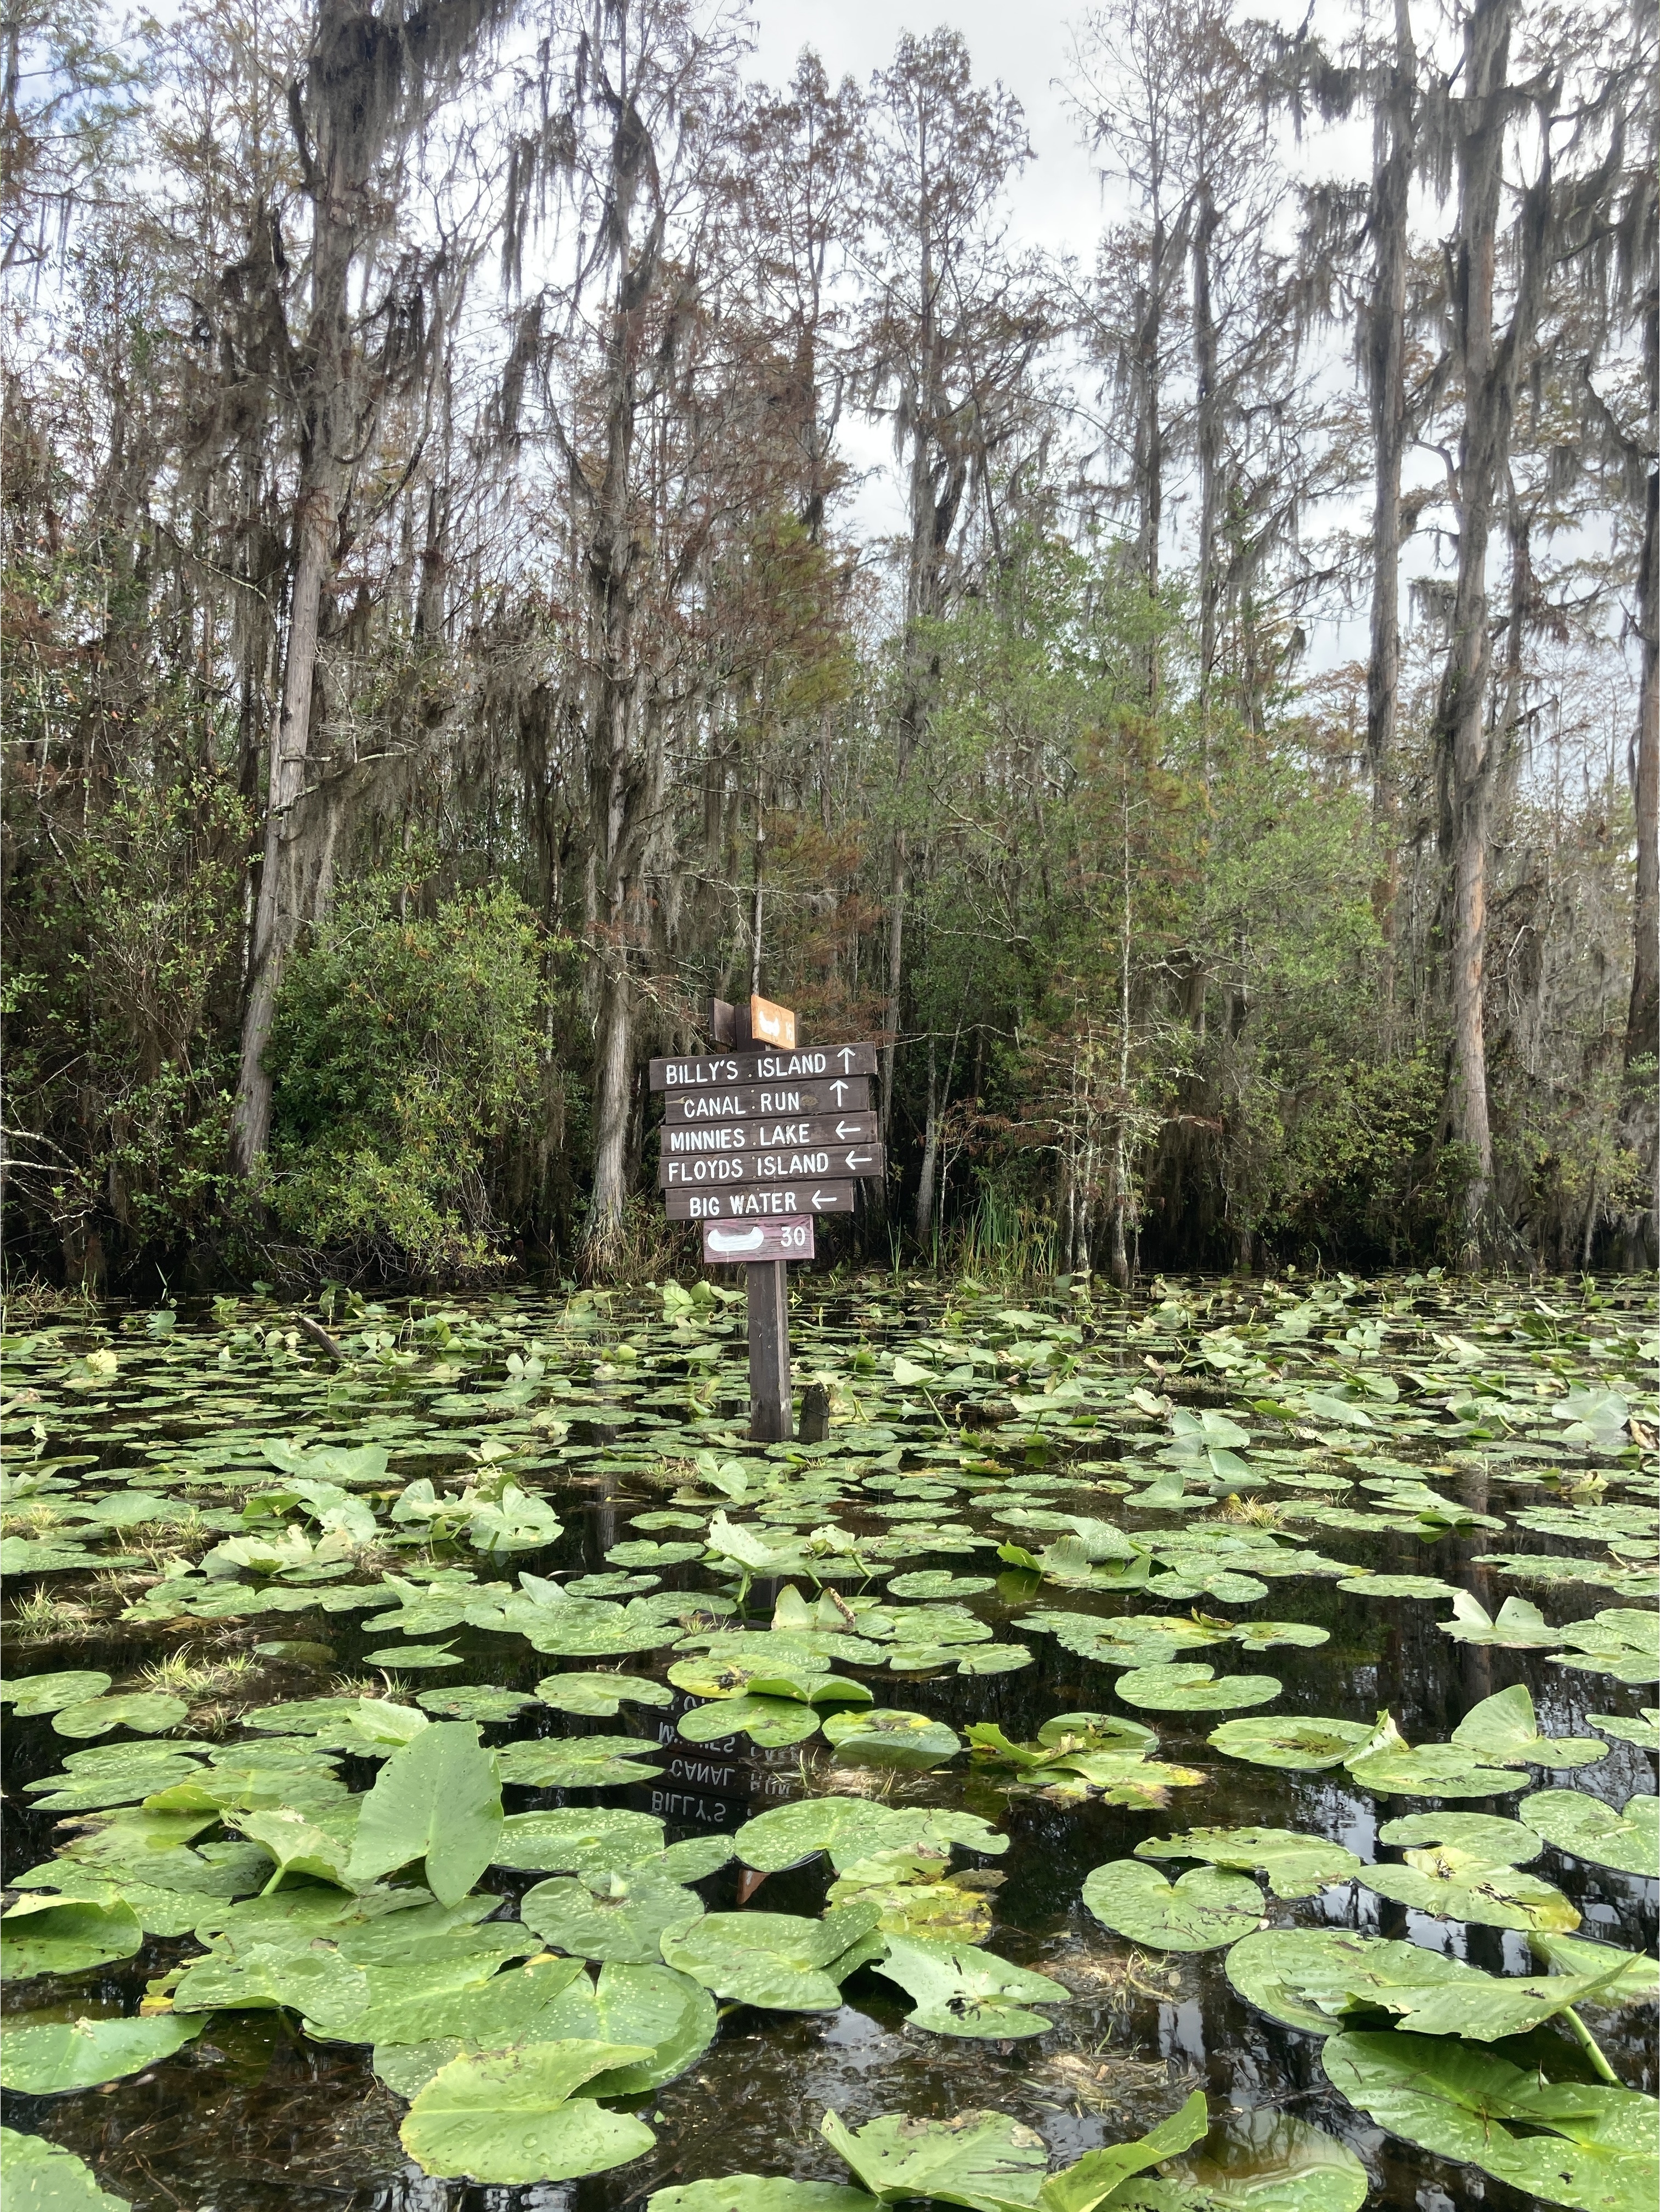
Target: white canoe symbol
{"points": [[736, 1240]]}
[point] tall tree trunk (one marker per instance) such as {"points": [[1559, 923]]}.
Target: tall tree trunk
{"points": [[930, 1147], [283, 872], [1467, 746], [1209, 406], [1385, 343], [1643, 1015]]}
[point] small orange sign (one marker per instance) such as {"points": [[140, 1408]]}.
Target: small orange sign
{"points": [[770, 1025]]}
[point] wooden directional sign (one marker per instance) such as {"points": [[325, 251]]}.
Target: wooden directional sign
{"points": [[747, 1203], [766, 1132], [843, 1094], [736, 1243], [823, 1061], [758, 1139], [719, 1170], [770, 1025]]}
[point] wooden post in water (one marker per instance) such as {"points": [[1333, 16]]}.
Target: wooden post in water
{"points": [[759, 1138], [770, 1416]]}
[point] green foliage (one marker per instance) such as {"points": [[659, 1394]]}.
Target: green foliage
{"points": [[403, 1048]]}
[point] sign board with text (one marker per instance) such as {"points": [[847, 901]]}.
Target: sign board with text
{"points": [[758, 1139]]}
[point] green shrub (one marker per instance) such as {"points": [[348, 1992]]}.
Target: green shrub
{"points": [[402, 1048]]}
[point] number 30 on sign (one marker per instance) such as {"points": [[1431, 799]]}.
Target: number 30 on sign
{"points": [[738, 1243]]}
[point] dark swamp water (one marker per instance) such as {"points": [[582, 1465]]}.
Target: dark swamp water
{"points": [[1059, 1473]]}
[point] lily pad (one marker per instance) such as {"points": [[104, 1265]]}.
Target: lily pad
{"points": [[474, 1702], [776, 1960], [622, 1915], [887, 1736], [1295, 1746], [755, 2192], [514, 2116], [43, 2177], [49, 1693], [583, 1762], [650, 2004], [1264, 2160], [39, 1935], [960, 1989], [984, 2161], [770, 1721], [1397, 1586], [601, 1695], [1584, 2144], [50, 2061], [1312, 1978], [1503, 1730], [567, 1840], [1644, 1733], [1519, 1625], [1294, 1865], [1622, 1978], [1204, 1909], [1629, 1840], [1451, 1882], [1191, 1689], [439, 1800], [1388, 1765], [146, 1712], [931, 1582]]}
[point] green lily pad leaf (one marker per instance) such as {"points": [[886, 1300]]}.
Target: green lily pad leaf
{"points": [[1502, 1730], [754, 2192], [1264, 1635], [411, 2001], [990, 1658], [600, 1696], [621, 1915], [471, 1701], [513, 2115], [1518, 1624], [588, 1762], [1296, 1745], [1644, 1733], [1620, 1641], [1259, 2161], [47, 2062], [1622, 1978], [770, 1721], [568, 1840], [148, 1712], [1067, 1732], [1108, 2176], [1421, 1586], [1585, 2145], [39, 1935], [1294, 1865], [931, 1582], [890, 1737], [642, 1552], [299, 1846], [437, 1799], [984, 2161], [1454, 1884], [1506, 1843], [776, 1960], [1628, 1841], [848, 1828], [960, 1989], [916, 1897], [1202, 1912], [1188, 1687], [43, 2177], [650, 2004], [1312, 1978], [50, 1693], [409, 1657], [1388, 1765]]}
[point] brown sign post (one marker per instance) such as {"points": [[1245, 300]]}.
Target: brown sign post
{"points": [[760, 1137]]}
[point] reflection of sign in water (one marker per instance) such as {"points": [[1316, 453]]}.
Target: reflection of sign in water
{"points": [[757, 1141]]}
